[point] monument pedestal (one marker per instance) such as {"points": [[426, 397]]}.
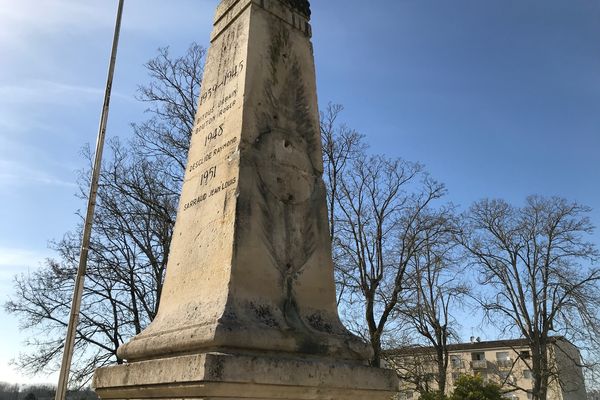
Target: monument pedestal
{"points": [[227, 377], [248, 308]]}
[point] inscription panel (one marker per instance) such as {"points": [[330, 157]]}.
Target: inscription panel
{"points": [[212, 169]]}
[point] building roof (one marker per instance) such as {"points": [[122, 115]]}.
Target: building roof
{"points": [[470, 346]]}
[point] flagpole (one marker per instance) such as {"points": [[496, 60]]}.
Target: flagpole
{"points": [[65, 369]]}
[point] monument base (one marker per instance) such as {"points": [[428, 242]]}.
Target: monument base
{"points": [[234, 377]]}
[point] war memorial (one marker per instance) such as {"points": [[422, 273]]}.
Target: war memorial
{"points": [[248, 309]]}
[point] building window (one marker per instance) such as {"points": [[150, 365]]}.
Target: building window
{"points": [[503, 359], [456, 362], [524, 354], [478, 360], [527, 374]]}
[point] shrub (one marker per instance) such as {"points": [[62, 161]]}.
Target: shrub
{"points": [[473, 388]]}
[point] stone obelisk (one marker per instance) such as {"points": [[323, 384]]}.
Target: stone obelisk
{"points": [[248, 306]]}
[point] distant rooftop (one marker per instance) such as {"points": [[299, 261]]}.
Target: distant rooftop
{"points": [[474, 345]]}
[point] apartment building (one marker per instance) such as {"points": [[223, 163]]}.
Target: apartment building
{"points": [[506, 362]]}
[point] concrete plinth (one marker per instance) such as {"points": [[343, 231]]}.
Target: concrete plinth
{"points": [[225, 376]]}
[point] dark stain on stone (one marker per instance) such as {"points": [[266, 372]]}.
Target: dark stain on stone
{"points": [[301, 6], [216, 369], [310, 346], [228, 315], [318, 323], [292, 315], [264, 314]]}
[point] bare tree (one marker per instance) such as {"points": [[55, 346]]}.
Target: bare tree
{"points": [[384, 212], [9, 391], [437, 290], [538, 270], [416, 367], [341, 147], [172, 96], [137, 200]]}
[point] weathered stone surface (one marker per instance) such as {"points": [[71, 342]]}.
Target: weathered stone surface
{"points": [[301, 6], [218, 376], [249, 283], [250, 262]]}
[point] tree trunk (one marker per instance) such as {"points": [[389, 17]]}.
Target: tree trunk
{"points": [[441, 366], [540, 371], [376, 344]]}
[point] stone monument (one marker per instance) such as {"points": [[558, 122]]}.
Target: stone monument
{"points": [[248, 307]]}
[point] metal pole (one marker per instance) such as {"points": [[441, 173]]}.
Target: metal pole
{"points": [[61, 390]]}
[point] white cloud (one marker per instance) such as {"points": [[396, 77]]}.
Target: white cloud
{"points": [[22, 18], [9, 373], [38, 91], [13, 262], [25, 109], [18, 258], [41, 91], [14, 173], [158, 16], [10, 347]]}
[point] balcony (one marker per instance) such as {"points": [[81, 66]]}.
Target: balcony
{"points": [[504, 364], [479, 364], [457, 364]]}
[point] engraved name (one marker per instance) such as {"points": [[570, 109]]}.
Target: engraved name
{"points": [[202, 198], [223, 106], [195, 202], [198, 163], [223, 186]]}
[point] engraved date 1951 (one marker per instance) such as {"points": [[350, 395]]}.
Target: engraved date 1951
{"points": [[208, 176]]}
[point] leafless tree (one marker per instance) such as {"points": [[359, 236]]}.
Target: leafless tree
{"points": [[9, 391], [537, 266], [416, 367], [172, 96], [341, 147], [137, 200], [436, 291], [384, 215]]}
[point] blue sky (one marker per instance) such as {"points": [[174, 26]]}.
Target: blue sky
{"points": [[499, 98]]}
